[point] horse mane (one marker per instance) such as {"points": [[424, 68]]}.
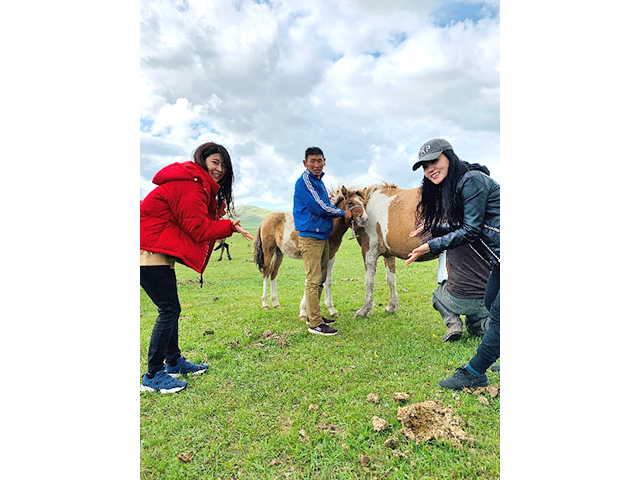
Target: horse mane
{"points": [[336, 195], [368, 191]]}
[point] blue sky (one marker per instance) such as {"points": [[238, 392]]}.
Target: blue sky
{"points": [[366, 81], [452, 11]]}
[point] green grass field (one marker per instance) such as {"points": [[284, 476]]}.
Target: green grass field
{"points": [[249, 416]]}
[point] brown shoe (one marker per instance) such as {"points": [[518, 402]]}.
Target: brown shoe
{"points": [[453, 333], [451, 320], [323, 329]]}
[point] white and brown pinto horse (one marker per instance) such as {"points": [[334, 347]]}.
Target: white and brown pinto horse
{"points": [[277, 238], [391, 214]]}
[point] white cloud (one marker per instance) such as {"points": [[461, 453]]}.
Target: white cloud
{"points": [[368, 82]]}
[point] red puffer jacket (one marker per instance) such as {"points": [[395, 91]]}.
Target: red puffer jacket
{"points": [[180, 216]]}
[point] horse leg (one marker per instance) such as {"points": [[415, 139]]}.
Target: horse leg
{"points": [[390, 267], [267, 257], [228, 254], [277, 261], [328, 299], [370, 260], [303, 308], [265, 292]]}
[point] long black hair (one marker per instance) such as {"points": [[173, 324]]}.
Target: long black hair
{"points": [[439, 203], [225, 192]]}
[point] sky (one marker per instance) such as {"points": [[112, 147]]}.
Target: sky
{"points": [[367, 81]]}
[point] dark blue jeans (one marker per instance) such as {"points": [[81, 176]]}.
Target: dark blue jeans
{"points": [[489, 349], [160, 284]]}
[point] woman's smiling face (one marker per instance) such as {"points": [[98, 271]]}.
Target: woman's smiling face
{"points": [[215, 166], [437, 170]]}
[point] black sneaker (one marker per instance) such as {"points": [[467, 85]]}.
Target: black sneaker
{"points": [[323, 329], [464, 378], [325, 320]]}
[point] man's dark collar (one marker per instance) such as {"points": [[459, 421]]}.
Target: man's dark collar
{"points": [[319, 178]]}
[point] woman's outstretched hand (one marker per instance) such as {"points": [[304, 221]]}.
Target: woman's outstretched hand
{"points": [[417, 231], [417, 252], [242, 231]]}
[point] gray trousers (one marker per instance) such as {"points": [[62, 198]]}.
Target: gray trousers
{"points": [[473, 308]]}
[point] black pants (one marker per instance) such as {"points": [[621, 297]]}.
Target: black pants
{"points": [[489, 349], [160, 284]]}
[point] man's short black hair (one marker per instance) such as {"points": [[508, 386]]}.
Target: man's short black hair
{"points": [[313, 151]]}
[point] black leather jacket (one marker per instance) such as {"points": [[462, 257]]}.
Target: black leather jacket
{"points": [[481, 203]]}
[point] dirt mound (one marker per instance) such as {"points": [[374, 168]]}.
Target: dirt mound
{"points": [[272, 335], [378, 423], [430, 420], [401, 397]]}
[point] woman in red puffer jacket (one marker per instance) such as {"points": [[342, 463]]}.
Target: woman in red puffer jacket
{"points": [[180, 220]]}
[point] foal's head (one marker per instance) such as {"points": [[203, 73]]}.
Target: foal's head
{"points": [[353, 200]]}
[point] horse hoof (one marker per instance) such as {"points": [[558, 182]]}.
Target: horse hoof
{"points": [[265, 308], [361, 314], [391, 309], [276, 306]]}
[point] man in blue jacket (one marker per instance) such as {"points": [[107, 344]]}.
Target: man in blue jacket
{"points": [[313, 215]]}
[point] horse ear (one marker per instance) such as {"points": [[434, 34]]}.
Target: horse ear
{"points": [[344, 190]]}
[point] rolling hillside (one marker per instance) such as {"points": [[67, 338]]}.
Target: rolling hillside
{"points": [[251, 216]]}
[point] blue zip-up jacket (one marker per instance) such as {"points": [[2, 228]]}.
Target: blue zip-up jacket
{"points": [[313, 213]]}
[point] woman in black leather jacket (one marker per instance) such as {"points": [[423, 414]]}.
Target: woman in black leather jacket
{"points": [[460, 202]]}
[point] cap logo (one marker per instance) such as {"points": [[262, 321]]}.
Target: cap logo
{"points": [[424, 150]]}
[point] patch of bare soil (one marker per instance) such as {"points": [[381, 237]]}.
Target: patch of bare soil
{"points": [[378, 423], [431, 420], [493, 390], [401, 397], [186, 457], [280, 339]]}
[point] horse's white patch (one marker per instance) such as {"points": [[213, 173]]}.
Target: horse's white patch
{"points": [[289, 247], [378, 213]]}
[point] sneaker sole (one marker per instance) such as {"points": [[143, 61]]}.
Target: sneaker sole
{"points": [[198, 372], [315, 332], [330, 321], [471, 387], [144, 388]]}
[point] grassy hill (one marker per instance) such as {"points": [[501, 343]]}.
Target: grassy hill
{"points": [[251, 216]]}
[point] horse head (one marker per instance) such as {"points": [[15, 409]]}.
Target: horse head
{"points": [[353, 200]]}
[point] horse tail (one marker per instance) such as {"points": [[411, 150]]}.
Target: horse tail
{"points": [[258, 254]]}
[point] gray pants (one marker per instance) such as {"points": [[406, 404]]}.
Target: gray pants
{"points": [[474, 309]]}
